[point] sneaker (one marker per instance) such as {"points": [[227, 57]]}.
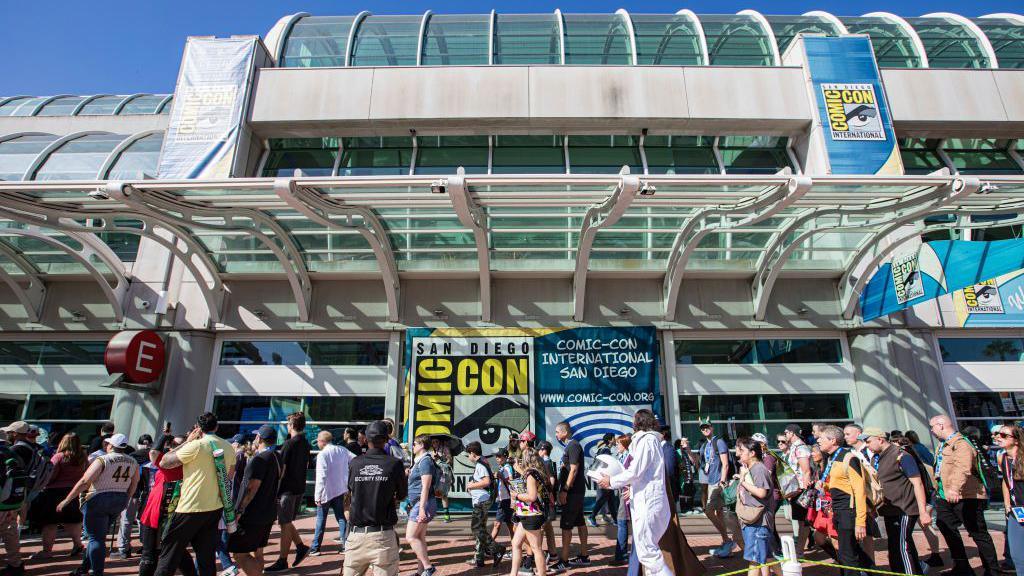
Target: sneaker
{"points": [[313, 552], [607, 519], [279, 565], [428, 571], [41, 555], [476, 563], [300, 554], [524, 571], [499, 553], [726, 550], [580, 561], [447, 517], [124, 554], [338, 539], [230, 571], [591, 522], [76, 550], [1006, 566], [558, 567]]}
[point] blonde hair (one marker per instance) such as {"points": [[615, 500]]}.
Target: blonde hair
{"points": [[531, 460]]}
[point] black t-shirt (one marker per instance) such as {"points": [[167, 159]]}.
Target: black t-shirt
{"points": [[354, 448], [97, 442], [573, 455], [264, 467], [376, 482], [295, 453]]}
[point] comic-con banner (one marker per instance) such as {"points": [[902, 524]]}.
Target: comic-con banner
{"points": [[996, 302], [485, 384]]}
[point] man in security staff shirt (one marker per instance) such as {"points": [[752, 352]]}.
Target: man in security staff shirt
{"points": [[376, 482]]}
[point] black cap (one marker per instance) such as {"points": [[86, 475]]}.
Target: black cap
{"points": [[377, 428], [501, 453], [267, 432]]}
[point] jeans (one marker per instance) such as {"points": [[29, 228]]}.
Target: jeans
{"points": [[222, 551], [969, 513], [1015, 540], [622, 539], [97, 515], [128, 517], [605, 498], [336, 505]]}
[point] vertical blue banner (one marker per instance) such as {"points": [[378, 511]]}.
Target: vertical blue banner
{"points": [[856, 124]]}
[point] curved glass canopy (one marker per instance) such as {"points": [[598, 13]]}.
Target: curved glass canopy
{"points": [[597, 39], [667, 40], [787, 27], [387, 41], [527, 39], [317, 42], [949, 44], [77, 159], [138, 160], [456, 40], [737, 40], [1007, 38], [894, 46], [61, 106], [80, 157], [86, 105], [18, 153]]}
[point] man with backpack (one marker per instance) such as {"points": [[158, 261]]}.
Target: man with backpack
{"points": [[905, 489], [13, 495], [961, 498], [717, 469], [482, 490]]}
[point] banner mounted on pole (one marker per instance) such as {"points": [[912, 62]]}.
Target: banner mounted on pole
{"points": [[937, 268], [485, 384]]}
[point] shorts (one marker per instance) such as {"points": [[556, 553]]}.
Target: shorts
{"points": [[431, 510], [798, 512], [756, 544], [288, 508], [572, 512], [531, 523], [504, 514], [716, 497], [249, 537]]}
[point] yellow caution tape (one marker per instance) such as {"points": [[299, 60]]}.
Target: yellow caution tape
{"points": [[854, 568], [748, 568]]}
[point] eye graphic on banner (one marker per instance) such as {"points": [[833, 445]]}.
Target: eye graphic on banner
{"points": [[852, 112]]}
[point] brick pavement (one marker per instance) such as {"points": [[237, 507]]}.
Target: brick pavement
{"points": [[451, 545]]}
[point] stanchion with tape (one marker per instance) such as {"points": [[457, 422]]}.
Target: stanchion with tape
{"points": [[790, 562]]}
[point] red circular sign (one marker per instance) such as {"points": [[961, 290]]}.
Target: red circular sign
{"points": [[138, 354]]}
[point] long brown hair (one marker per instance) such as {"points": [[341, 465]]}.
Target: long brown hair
{"points": [[531, 460], [70, 448], [1017, 433]]}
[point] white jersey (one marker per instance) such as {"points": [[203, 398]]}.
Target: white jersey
{"points": [[116, 476]]}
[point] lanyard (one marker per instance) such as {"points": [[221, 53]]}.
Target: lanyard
{"points": [[1008, 474], [942, 447], [828, 467]]}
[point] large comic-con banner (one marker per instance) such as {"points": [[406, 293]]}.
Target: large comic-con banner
{"points": [[998, 302], [485, 384]]}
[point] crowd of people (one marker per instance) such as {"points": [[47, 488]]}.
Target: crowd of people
{"points": [[199, 499]]}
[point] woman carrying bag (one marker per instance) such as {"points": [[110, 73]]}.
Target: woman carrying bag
{"points": [[529, 502], [754, 502]]}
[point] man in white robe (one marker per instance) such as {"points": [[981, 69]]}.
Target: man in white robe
{"points": [[650, 510]]}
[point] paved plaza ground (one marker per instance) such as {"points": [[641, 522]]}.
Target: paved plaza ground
{"points": [[451, 545]]}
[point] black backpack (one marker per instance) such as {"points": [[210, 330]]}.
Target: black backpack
{"points": [[492, 486], [14, 480], [39, 470]]}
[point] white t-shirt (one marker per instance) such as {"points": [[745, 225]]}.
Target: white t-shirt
{"points": [[479, 495], [796, 453]]}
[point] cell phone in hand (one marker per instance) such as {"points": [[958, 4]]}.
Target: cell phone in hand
{"points": [[1018, 513]]}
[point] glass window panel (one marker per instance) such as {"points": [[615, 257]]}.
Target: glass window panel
{"points": [[263, 353], [786, 28], [101, 106], [317, 42], [597, 39], [146, 104], [17, 154], [68, 407], [730, 407], [528, 155], [949, 44], [894, 47], [714, 351], [527, 39], [78, 159], [973, 405], [62, 106], [347, 353], [27, 106], [680, 155], [344, 409], [919, 156], [604, 154], [444, 154], [456, 40], [52, 353], [376, 156], [139, 160], [666, 40], [314, 156], [980, 156], [753, 154], [257, 409], [8, 108], [827, 407], [11, 409], [799, 351], [981, 349], [1006, 37], [387, 41], [736, 40]]}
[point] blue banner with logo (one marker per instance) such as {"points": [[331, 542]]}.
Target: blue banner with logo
{"points": [[935, 269], [998, 302], [855, 120]]}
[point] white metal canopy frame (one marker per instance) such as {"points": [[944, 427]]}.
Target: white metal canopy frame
{"points": [[607, 223]]}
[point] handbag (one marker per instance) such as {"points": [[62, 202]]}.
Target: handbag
{"points": [[808, 498], [747, 514], [729, 493]]}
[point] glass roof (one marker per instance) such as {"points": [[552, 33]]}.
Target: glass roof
{"points": [[456, 40], [527, 39], [145, 104], [1007, 38], [138, 160], [317, 42], [78, 159], [605, 39], [787, 27], [949, 44], [597, 39], [81, 157], [61, 106], [894, 46], [667, 40], [17, 154], [86, 105], [387, 41]]}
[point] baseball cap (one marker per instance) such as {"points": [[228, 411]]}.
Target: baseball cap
{"points": [[760, 438], [267, 432], [871, 431], [19, 427], [238, 439], [117, 441], [376, 429], [33, 430], [527, 436], [501, 453], [704, 425]]}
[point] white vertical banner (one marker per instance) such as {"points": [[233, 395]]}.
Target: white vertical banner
{"points": [[207, 112]]}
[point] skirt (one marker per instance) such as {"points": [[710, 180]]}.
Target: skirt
{"points": [[43, 511]]}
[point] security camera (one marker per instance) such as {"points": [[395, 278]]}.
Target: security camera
{"points": [[647, 190], [99, 194], [439, 186]]}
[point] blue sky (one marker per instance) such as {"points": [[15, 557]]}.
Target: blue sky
{"points": [[116, 46]]}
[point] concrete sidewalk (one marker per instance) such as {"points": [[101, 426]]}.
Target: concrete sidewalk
{"points": [[451, 546]]}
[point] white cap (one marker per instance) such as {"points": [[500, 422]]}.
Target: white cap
{"points": [[117, 441], [758, 437]]}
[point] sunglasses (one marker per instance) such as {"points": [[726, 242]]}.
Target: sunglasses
{"points": [[782, 442], [1002, 435]]}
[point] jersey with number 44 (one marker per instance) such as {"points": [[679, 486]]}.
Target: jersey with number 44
{"points": [[116, 476]]}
